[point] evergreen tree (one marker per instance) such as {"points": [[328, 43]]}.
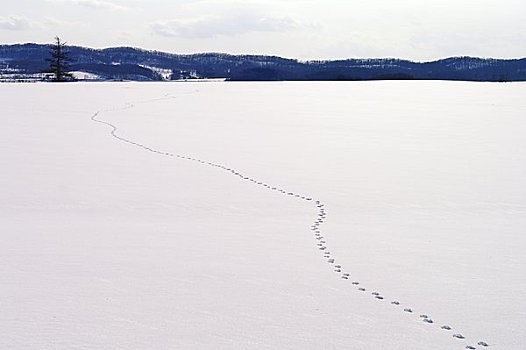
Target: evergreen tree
{"points": [[59, 61]]}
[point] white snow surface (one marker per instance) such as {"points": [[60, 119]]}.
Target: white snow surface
{"points": [[80, 75], [108, 244]]}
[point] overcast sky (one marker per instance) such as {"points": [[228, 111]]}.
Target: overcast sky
{"points": [[303, 29]]}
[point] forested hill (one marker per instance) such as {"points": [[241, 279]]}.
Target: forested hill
{"points": [[125, 63]]}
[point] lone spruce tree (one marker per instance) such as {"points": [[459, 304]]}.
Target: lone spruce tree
{"points": [[59, 61]]}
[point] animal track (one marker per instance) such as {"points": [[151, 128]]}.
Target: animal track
{"points": [[318, 222]]}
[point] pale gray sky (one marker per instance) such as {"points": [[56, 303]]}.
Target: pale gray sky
{"points": [[304, 29]]}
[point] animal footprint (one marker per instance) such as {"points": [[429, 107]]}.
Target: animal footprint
{"points": [[458, 335], [427, 320], [446, 327], [379, 297], [408, 310], [470, 347], [482, 343], [356, 283], [361, 289], [395, 302]]}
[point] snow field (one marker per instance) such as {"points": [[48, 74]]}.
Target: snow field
{"points": [[110, 245]]}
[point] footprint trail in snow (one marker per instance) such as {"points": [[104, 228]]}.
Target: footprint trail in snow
{"points": [[321, 215]]}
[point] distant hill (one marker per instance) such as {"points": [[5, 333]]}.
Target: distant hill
{"points": [[28, 61]]}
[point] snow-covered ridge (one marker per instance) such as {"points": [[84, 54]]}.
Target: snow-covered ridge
{"points": [[165, 74], [132, 63]]}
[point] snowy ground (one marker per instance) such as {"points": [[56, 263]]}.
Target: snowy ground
{"points": [[122, 242]]}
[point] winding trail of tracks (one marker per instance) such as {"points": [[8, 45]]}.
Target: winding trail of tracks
{"points": [[321, 213]]}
